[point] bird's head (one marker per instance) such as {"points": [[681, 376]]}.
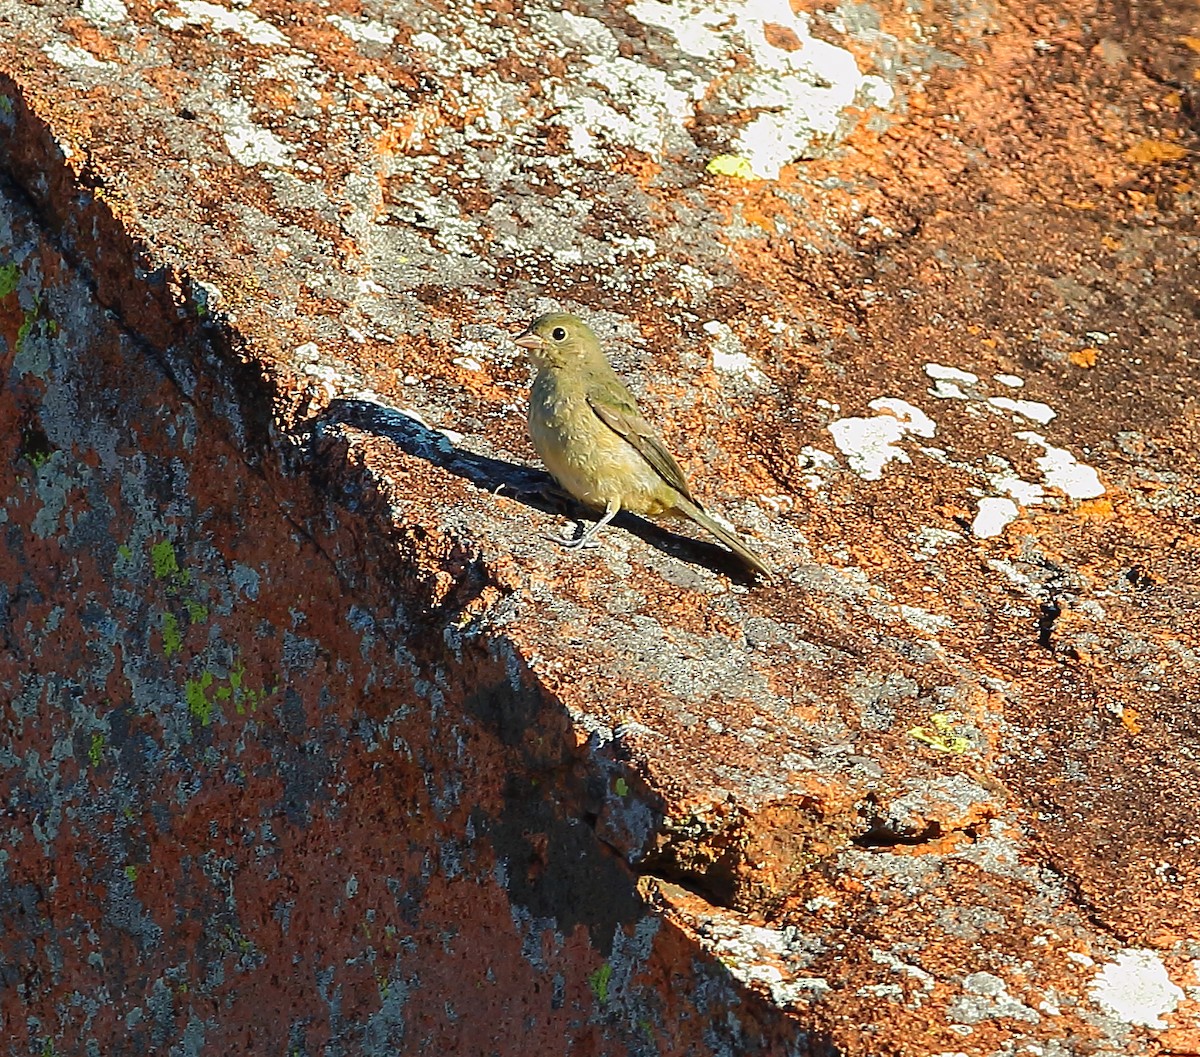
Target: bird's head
{"points": [[559, 339]]}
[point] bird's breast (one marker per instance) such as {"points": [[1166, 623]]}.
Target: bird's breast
{"points": [[587, 458]]}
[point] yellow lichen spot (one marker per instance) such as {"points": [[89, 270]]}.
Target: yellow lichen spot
{"points": [[1154, 152], [1084, 357], [1083, 205], [1110, 244], [1129, 720], [1173, 100], [941, 734], [731, 165], [1191, 42]]}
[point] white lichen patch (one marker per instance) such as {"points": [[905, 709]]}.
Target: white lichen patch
{"points": [[869, 444], [1061, 470], [472, 355], [248, 143], [1033, 410], [800, 85], [738, 363], [948, 382], [929, 541], [1136, 989], [778, 504], [614, 99], [995, 514], [442, 217], [819, 463], [245, 24], [71, 57], [924, 620], [986, 997], [1009, 491], [729, 357], [762, 956], [363, 32], [915, 984], [606, 100], [1005, 481], [695, 284], [938, 372], [944, 390], [104, 10]]}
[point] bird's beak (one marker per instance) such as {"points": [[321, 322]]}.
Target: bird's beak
{"points": [[533, 342]]}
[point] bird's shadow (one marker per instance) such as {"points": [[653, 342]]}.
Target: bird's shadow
{"points": [[534, 488]]}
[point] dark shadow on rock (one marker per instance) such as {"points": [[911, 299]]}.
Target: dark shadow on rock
{"points": [[532, 487]]}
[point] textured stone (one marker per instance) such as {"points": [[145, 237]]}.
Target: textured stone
{"points": [[312, 741]]}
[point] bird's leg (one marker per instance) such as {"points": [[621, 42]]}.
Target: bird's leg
{"points": [[610, 511]]}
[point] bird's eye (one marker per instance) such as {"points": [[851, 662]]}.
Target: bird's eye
{"points": [[558, 333]]}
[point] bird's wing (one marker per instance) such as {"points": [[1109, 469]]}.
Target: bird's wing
{"points": [[628, 424]]}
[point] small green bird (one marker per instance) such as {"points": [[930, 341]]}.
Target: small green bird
{"points": [[592, 437]]}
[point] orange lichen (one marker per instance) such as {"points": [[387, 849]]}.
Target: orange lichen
{"points": [[1155, 152]]}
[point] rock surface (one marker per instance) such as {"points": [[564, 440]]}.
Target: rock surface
{"points": [[313, 742]]}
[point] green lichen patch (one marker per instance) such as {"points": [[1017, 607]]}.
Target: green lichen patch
{"points": [[172, 638], [200, 705], [197, 612], [599, 981], [206, 694], [10, 276], [28, 323], [36, 448], [164, 562]]}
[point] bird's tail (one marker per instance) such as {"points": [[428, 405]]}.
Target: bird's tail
{"points": [[731, 540]]}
